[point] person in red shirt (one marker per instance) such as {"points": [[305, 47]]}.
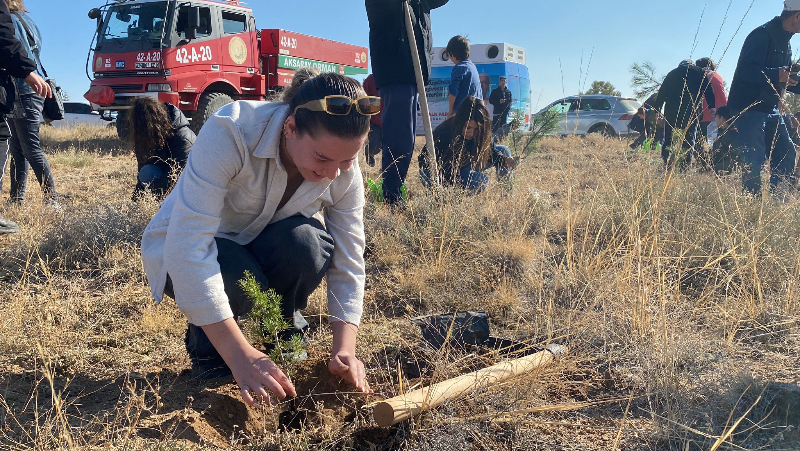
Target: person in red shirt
{"points": [[375, 139], [718, 86]]}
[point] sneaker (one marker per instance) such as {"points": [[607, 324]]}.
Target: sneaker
{"points": [[207, 364], [7, 226], [210, 368]]}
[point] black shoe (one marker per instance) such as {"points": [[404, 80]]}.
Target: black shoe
{"points": [[7, 226], [206, 362], [207, 369]]}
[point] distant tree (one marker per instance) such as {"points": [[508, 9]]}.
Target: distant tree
{"points": [[604, 88], [644, 80], [791, 103]]}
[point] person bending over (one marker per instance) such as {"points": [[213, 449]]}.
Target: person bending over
{"points": [[464, 149], [161, 139], [273, 189]]}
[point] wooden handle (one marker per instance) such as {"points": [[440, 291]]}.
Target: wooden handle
{"points": [[402, 407]]}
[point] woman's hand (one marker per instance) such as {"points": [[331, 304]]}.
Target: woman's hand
{"points": [[350, 369], [256, 373], [253, 370], [344, 362], [38, 85]]}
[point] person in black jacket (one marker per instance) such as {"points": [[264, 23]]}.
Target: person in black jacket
{"points": [[501, 100], [13, 63], [465, 148], [762, 76], [161, 139], [394, 76], [681, 94]]}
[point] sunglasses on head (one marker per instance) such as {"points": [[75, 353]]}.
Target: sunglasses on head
{"points": [[337, 105]]}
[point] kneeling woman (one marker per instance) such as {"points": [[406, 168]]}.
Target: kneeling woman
{"points": [[161, 139], [272, 188], [464, 149]]}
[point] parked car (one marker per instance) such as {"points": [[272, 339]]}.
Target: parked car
{"points": [[76, 113], [608, 115]]}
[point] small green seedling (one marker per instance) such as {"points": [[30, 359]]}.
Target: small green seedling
{"points": [[376, 189], [268, 322]]}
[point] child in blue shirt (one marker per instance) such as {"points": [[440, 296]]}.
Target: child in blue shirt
{"points": [[464, 80]]}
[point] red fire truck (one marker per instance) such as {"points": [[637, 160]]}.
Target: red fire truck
{"points": [[199, 55]]}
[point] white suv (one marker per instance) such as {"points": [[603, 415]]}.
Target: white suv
{"points": [[580, 115], [76, 113]]}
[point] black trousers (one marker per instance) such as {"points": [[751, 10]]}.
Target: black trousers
{"points": [[290, 256]]}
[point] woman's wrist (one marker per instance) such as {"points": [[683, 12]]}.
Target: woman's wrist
{"points": [[227, 338], [344, 337]]}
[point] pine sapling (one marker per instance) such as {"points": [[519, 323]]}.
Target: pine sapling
{"points": [[267, 322]]}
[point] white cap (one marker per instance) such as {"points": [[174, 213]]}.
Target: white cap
{"points": [[791, 5]]}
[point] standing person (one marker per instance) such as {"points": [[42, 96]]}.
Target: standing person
{"points": [[762, 74], [464, 78], [680, 95], [726, 154], [161, 140], [501, 100], [13, 63], [464, 149], [25, 145], [260, 180], [375, 139], [394, 76]]}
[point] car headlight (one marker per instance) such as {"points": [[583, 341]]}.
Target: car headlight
{"points": [[159, 87]]}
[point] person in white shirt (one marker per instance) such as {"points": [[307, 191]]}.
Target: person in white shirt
{"points": [[272, 188]]}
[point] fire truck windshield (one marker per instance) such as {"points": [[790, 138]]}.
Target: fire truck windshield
{"points": [[134, 22]]}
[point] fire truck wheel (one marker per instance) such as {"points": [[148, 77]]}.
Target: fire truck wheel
{"points": [[122, 125], [209, 104]]}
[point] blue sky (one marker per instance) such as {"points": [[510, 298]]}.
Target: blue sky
{"points": [[559, 35]]}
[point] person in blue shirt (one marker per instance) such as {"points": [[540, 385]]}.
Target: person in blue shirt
{"points": [[763, 74], [464, 80], [25, 145]]}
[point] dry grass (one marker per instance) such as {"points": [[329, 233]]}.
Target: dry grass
{"points": [[678, 297]]}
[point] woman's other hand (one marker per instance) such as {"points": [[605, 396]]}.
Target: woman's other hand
{"points": [[350, 369], [344, 362]]}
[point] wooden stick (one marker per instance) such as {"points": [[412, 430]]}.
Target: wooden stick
{"points": [[423, 96], [402, 407]]}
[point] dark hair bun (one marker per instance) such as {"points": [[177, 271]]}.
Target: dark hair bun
{"points": [[300, 77]]}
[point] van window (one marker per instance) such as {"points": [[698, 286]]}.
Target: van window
{"points": [[233, 23]]}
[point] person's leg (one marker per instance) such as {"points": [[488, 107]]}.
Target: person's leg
{"points": [[666, 148], [399, 118], [471, 180], [374, 143], [504, 173], [6, 226], [688, 146], [294, 255], [234, 260], [154, 178], [28, 132], [783, 152], [18, 170], [751, 125]]}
